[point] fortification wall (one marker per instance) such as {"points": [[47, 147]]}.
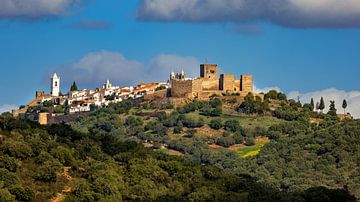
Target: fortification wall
{"points": [[181, 88], [210, 84], [246, 84], [156, 95], [237, 85], [197, 85], [227, 82]]}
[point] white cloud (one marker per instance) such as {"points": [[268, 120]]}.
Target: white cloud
{"points": [[33, 9], [7, 108], [266, 89], [97, 67], [291, 13], [352, 98]]}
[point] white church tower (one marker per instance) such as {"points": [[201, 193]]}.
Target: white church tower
{"points": [[55, 85]]}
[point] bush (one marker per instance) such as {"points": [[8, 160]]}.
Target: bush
{"points": [[216, 124], [250, 141], [226, 141], [239, 139], [232, 125], [133, 121], [64, 155], [22, 194], [8, 162], [191, 122]]}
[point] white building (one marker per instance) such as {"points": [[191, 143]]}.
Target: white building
{"points": [[55, 85]]}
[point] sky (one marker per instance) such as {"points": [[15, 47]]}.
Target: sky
{"points": [[305, 48]]}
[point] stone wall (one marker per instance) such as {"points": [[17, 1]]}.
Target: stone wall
{"points": [[156, 95], [209, 71], [227, 83], [246, 84], [237, 85], [210, 84], [181, 88], [197, 87]]}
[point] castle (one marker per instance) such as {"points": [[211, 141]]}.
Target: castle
{"points": [[209, 83]]}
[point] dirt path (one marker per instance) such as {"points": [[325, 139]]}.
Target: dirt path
{"points": [[66, 189]]}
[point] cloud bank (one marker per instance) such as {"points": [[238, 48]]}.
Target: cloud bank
{"points": [[352, 98], [95, 68], [35, 9], [7, 108], [289, 13]]}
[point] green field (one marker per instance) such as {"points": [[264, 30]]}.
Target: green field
{"points": [[246, 121], [252, 150]]}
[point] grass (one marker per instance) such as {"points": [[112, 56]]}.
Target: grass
{"points": [[246, 121], [252, 150]]}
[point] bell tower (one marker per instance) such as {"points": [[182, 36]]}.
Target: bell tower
{"points": [[55, 85]]}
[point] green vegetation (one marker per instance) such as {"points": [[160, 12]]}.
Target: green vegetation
{"points": [[203, 151], [74, 87]]}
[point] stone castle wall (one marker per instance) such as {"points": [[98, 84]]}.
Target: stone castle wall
{"points": [[246, 84], [209, 83], [227, 83]]}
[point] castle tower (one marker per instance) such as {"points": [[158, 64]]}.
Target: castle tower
{"points": [[246, 84], [209, 71], [55, 85]]}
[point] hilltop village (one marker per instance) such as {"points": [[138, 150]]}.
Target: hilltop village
{"points": [[178, 90]]}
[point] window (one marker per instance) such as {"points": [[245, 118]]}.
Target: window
{"points": [[56, 83]]}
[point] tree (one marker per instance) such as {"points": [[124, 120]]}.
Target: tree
{"points": [[332, 110], [312, 104], [344, 105], [322, 104], [74, 87]]}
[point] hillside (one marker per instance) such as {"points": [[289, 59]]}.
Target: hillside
{"points": [[206, 150]]}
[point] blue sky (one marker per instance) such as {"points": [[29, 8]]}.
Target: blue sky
{"points": [[127, 38]]}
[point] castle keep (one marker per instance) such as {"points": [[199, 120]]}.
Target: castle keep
{"points": [[209, 83]]}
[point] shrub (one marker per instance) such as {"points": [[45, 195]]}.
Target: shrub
{"points": [[232, 125], [250, 141], [8, 162], [133, 121], [239, 139], [22, 194], [215, 124], [226, 141]]}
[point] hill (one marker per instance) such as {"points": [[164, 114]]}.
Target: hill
{"points": [[206, 150]]}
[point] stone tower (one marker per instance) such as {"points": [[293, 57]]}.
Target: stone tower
{"points": [[246, 84], [55, 85], [209, 71]]}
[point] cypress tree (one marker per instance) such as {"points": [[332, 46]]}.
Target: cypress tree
{"points": [[322, 104], [74, 87], [332, 110], [344, 105], [312, 104]]}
